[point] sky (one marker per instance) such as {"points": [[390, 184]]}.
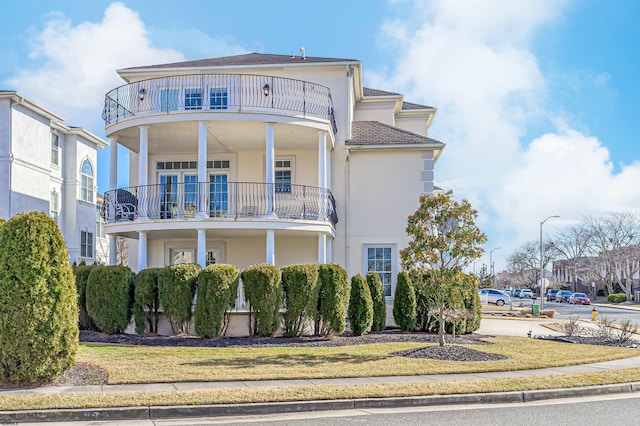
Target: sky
{"points": [[536, 99]]}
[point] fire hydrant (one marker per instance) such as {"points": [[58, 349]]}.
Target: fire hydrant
{"points": [[594, 314]]}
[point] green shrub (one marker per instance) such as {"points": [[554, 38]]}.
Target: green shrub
{"points": [[82, 272], [404, 303], [263, 291], [333, 299], [176, 288], [146, 302], [473, 305], [300, 285], [110, 297], [360, 306], [617, 298], [217, 292], [379, 302], [38, 300]]}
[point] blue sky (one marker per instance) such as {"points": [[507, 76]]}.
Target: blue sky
{"points": [[537, 100]]}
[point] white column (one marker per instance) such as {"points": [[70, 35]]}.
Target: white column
{"points": [[143, 172], [113, 163], [322, 248], [202, 248], [202, 170], [142, 250], [113, 250], [322, 159], [270, 169], [113, 199], [330, 250], [271, 249]]}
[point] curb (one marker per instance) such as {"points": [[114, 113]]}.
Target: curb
{"points": [[229, 410]]}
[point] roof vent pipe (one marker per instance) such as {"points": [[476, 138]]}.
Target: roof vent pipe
{"points": [[302, 52]]}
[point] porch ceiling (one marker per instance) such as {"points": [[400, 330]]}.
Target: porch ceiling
{"points": [[222, 136]]}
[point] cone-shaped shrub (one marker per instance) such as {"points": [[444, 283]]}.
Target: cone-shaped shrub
{"points": [[176, 288], [333, 298], [217, 292], [110, 297], [360, 306], [404, 303], [300, 285], [82, 272], [473, 304], [263, 291], [38, 300], [379, 301], [146, 302]]}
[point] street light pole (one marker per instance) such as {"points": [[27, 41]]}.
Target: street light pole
{"points": [[542, 264], [491, 262]]}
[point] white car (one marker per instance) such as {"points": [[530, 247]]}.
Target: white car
{"points": [[490, 295]]}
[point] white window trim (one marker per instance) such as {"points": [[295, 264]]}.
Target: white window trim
{"points": [[93, 244], [170, 246], [56, 135], [394, 263], [93, 178]]}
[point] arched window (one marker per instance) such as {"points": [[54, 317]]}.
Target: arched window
{"points": [[86, 181]]}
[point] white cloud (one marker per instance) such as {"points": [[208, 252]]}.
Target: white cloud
{"points": [[473, 61]]}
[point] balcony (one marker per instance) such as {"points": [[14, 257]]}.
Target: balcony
{"points": [[219, 201], [216, 93]]}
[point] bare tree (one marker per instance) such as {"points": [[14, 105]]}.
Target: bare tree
{"points": [[524, 262], [573, 244]]}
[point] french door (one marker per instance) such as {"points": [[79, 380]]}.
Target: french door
{"points": [[218, 195]]}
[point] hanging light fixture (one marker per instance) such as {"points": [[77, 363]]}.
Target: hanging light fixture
{"points": [[142, 92], [266, 89]]}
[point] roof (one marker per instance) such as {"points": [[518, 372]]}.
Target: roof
{"points": [[366, 91], [367, 133], [246, 59], [409, 105]]}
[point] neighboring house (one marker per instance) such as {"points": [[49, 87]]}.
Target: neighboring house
{"points": [[51, 167], [265, 158]]}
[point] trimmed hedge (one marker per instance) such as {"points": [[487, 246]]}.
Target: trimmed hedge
{"points": [[82, 272], [617, 298], [473, 305], [360, 306], [300, 285], [263, 291], [404, 303], [38, 300], [217, 292], [110, 297], [176, 288], [379, 302], [146, 302], [333, 299]]}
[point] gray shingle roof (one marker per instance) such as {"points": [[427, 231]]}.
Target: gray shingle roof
{"points": [[246, 59], [409, 105], [376, 133], [366, 91]]}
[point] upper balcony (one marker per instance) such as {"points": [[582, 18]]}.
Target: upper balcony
{"points": [[219, 93]]}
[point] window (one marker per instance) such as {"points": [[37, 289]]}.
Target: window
{"points": [[192, 99], [169, 99], [283, 175], [99, 222], [379, 259], [55, 149], [86, 244], [218, 98], [54, 209], [86, 182]]}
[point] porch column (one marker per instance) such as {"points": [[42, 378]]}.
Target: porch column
{"points": [[330, 250], [322, 248], [142, 250], [202, 170], [113, 185], [269, 168], [322, 159], [202, 248], [271, 250], [113, 250], [143, 172]]}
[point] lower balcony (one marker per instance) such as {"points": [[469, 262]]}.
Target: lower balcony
{"points": [[219, 201]]}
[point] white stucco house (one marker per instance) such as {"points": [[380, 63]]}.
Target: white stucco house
{"points": [[265, 158], [46, 165]]}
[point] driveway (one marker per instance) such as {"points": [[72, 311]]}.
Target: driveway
{"points": [[514, 327]]}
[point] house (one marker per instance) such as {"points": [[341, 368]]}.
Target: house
{"points": [[46, 165], [262, 158]]}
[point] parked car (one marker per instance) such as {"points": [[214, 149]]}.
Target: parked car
{"points": [[551, 294], [490, 295], [579, 299], [563, 296], [525, 292], [516, 292]]}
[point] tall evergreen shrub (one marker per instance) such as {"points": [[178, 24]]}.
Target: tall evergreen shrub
{"points": [[379, 302], [333, 299], [38, 300], [146, 302], [176, 288], [110, 297], [81, 273], [404, 303], [360, 306], [217, 292], [300, 285], [263, 291]]}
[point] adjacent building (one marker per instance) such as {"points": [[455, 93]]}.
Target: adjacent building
{"points": [[46, 165]]}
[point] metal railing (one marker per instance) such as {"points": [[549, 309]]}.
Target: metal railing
{"points": [[219, 200], [219, 93]]}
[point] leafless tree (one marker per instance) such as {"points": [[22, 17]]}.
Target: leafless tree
{"points": [[573, 244], [525, 263]]}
